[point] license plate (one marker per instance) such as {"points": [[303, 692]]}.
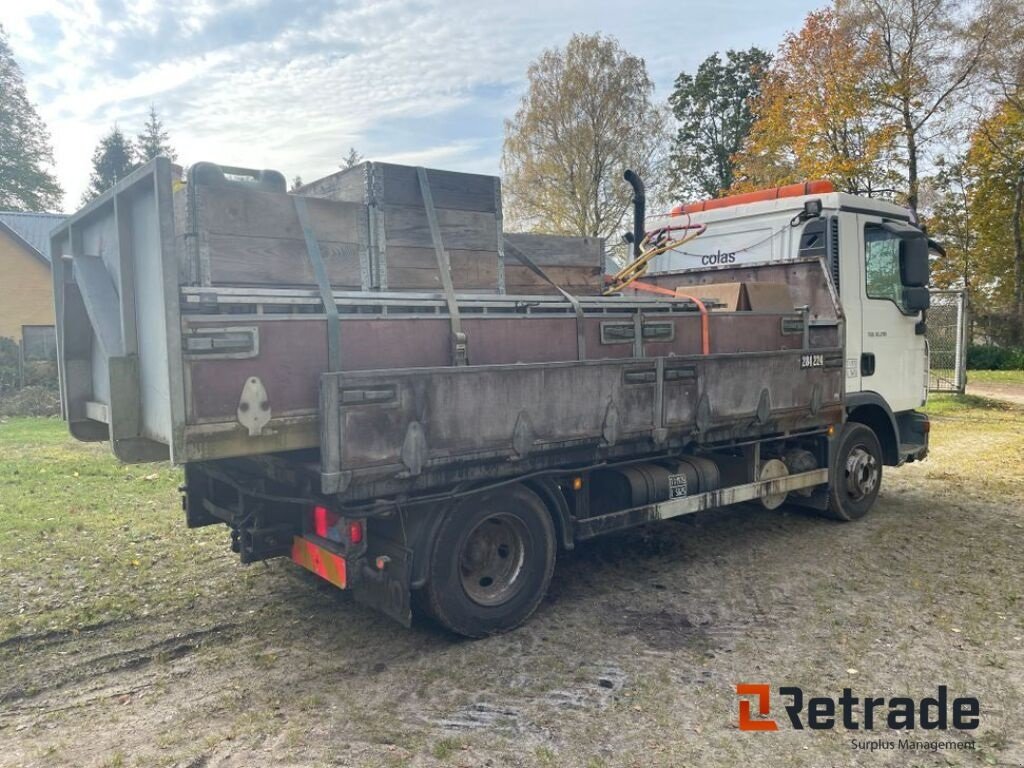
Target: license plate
{"points": [[812, 361]]}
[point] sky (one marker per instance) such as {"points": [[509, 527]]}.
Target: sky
{"points": [[292, 85]]}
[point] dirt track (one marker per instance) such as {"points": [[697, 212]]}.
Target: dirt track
{"points": [[632, 659], [997, 390]]}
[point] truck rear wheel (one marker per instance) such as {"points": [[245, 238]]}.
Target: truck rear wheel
{"points": [[856, 474], [491, 562]]}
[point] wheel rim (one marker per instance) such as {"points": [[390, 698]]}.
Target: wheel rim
{"points": [[491, 561], [861, 473]]}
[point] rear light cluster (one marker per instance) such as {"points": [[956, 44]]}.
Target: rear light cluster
{"points": [[329, 525]]}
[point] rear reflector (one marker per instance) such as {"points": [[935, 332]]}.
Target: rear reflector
{"points": [[324, 564], [355, 532]]}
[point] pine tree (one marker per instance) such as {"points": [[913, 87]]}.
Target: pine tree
{"points": [[353, 158], [25, 151], [154, 140], [113, 159]]}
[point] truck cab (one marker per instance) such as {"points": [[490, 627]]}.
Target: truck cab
{"points": [[877, 263]]}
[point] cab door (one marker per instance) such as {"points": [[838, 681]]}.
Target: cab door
{"points": [[893, 358]]}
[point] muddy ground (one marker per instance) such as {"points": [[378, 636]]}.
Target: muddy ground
{"points": [[158, 648]]}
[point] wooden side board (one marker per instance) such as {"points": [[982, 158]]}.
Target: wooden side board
{"points": [[239, 236], [388, 183], [416, 269], [574, 263], [373, 233]]}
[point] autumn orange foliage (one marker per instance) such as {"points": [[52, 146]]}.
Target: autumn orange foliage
{"points": [[816, 117]]}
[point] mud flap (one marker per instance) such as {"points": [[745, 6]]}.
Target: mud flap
{"points": [[386, 590]]}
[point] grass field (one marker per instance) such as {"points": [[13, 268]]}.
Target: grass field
{"points": [[1000, 377], [128, 640]]}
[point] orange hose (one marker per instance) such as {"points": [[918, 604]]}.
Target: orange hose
{"points": [[705, 323]]}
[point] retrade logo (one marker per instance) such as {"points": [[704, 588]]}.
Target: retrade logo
{"points": [[853, 713], [763, 694]]}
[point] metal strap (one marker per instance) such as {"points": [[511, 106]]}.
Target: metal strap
{"points": [[326, 292], [581, 340], [460, 355]]}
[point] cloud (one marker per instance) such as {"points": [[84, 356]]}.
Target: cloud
{"points": [[291, 85]]}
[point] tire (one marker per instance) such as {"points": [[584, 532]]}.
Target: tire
{"points": [[856, 473], [491, 562]]}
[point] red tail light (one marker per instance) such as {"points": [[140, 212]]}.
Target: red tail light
{"points": [[323, 521], [355, 531]]}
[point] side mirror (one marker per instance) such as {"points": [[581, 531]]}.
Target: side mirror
{"points": [[914, 261], [916, 299]]}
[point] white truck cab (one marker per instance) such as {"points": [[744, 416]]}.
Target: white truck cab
{"points": [[878, 263]]}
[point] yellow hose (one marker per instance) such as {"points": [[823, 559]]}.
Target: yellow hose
{"points": [[638, 267]]}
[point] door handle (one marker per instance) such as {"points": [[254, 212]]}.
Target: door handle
{"points": [[867, 364]]}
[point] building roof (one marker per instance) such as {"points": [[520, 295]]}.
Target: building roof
{"points": [[32, 229]]}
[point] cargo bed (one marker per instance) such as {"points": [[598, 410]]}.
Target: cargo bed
{"points": [[184, 337]]}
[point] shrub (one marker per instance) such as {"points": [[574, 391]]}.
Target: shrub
{"points": [[8, 365], [41, 373], [989, 358], [30, 401]]}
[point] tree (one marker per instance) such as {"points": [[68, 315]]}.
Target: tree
{"points": [[113, 159], [929, 56], [1003, 57], [816, 117], [588, 115], [997, 157], [154, 140], [951, 223], [714, 112], [352, 159], [296, 184], [26, 184]]}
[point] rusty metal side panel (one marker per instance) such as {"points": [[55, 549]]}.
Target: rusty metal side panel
{"points": [[746, 332], [293, 353], [807, 281], [402, 426], [436, 416], [497, 340], [735, 386]]}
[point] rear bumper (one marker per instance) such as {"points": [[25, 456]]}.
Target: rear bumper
{"points": [[324, 563], [380, 580]]}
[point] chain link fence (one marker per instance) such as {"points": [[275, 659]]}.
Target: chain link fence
{"points": [[947, 341]]}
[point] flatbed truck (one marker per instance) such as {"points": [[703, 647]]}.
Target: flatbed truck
{"points": [[341, 392]]}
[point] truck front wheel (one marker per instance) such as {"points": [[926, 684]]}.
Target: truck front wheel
{"points": [[856, 473], [491, 562]]}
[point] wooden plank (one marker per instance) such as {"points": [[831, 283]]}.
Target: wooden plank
{"points": [[232, 211], [546, 290], [410, 268], [407, 225], [564, 276], [398, 185], [278, 261], [557, 250], [450, 189], [405, 257], [425, 279], [349, 185]]}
